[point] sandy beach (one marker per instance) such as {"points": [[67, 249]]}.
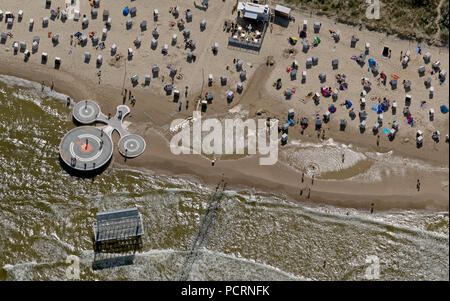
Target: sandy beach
{"points": [[347, 186]]}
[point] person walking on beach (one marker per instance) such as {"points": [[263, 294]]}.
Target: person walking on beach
{"points": [[303, 176], [129, 94], [378, 140], [309, 193], [99, 74], [343, 157], [124, 96], [51, 87], [418, 185], [42, 86], [371, 208], [68, 101], [186, 92], [401, 55], [312, 180], [187, 104]]}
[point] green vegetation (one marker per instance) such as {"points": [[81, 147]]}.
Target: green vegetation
{"points": [[413, 19]]}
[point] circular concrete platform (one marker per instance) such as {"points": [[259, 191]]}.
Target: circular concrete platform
{"points": [[86, 111], [86, 148], [131, 145]]}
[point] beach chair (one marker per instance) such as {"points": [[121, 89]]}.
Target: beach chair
{"points": [[63, 15], [210, 80], [315, 60], [215, 48], [380, 119], [305, 24], [421, 70], [23, 46], [95, 40], [376, 127], [44, 57], [305, 46], [153, 43], [76, 15], [155, 71], [293, 74], [335, 64], [405, 61], [243, 75], [317, 26], [133, 11], [174, 39], [135, 80], [203, 25], [187, 33], [323, 77], [113, 49], [105, 15], [353, 42], [99, 60], [239, 65], [108, 23], [188, 16], [165, 49], [143, 25], [147, 80], [427, 57], [230, 96], [223, 80], [394, 83], [155, 15], [94, 13], [419, 141], [431, 114], [291, 114], [104, 33], [57, 62], [3, 37], [408, 100], [407, 86], [44, 22], [239, 87], [442, 75], [428, 82], [431, 92], [209, 97], [308, 63], [85, 23], [130, 52], [284, 139]]}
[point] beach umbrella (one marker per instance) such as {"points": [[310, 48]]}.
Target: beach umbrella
{"points": [[126, 10], [372, 62], [348, 104], [444, 109]]}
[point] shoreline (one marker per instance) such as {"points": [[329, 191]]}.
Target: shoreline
{"points": [[154, 112]]}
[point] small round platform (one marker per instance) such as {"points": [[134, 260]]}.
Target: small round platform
{"points": [[86, 111], [86, 148], [131, 146]]}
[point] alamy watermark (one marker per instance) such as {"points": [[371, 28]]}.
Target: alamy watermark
{"points": [[373, 11], [228, 139]]}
